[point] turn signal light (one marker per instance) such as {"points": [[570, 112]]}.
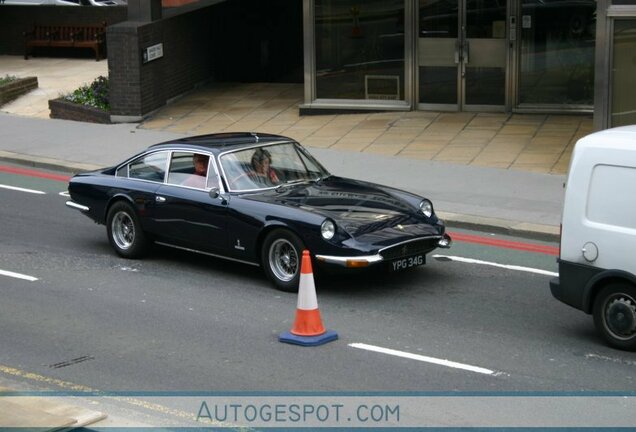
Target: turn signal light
{"points": [[357, 263]]}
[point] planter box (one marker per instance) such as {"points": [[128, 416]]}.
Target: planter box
{"points": [[14, 89], [62, 109]]}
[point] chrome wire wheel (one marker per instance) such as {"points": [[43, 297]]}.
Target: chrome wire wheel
{"points": [[283, 260], [123, 230]]}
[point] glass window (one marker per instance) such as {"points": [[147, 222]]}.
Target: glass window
{"points": [[149, 167], [557, 52], [437, 43], [359, 49], [623, 73], [269, 166], [191, 169], [611, 208]]}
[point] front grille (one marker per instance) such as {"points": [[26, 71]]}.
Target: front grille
{"points": [[415, 247]]}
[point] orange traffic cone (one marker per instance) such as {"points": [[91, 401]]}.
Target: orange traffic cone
{"points": [[307, 329]]}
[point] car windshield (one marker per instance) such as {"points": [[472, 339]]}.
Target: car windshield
{"points": [[270, 166]]}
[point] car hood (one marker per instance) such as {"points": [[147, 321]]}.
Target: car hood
{"points": [[362, 209]]}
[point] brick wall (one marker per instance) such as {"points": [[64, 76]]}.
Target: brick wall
{"points": [[14, 20], [137, 88]]}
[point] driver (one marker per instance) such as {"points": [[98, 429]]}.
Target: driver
{"points": [[263, 172]]}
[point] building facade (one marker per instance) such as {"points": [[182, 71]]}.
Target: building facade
{"points": [[452, 55], [615, 83], [543, 56]]}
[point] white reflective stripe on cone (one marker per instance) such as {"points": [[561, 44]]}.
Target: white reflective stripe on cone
{"points": [[307, 299]]}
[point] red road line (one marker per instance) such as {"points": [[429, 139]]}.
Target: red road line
{"points": [[507, 244], [34, 173]]}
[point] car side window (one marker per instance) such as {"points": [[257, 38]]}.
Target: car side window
{"points": [[150, 167], [192, 170]]}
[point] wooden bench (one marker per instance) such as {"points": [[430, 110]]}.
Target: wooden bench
{"points": [[66, 36]]}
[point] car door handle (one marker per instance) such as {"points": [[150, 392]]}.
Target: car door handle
{"points": [[160, 199]]}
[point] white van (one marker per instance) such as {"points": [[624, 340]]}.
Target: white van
{"points": [[597, 260]]}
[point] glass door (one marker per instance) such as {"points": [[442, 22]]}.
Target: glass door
{"points": [[484, 55], [623, 71], [438, 54], [462, 54]]}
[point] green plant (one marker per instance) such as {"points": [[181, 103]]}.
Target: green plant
{"points": [[94, 95], [7, 79]]}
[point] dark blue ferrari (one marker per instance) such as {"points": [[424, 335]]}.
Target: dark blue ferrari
{"points": [[259, 199]]}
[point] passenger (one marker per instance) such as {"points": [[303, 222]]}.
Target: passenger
{"points": [[264, 173], [197, 180]]}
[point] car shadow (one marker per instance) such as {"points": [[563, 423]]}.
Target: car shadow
{"points": [[374, 282]]}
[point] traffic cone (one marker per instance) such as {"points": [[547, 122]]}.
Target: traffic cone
{"points": [[307, 329]]}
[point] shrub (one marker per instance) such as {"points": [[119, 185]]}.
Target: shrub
{"points": [[94, 95], [7, 79]]}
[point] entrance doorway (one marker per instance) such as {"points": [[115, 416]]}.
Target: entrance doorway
{"points": [[462, 55]]}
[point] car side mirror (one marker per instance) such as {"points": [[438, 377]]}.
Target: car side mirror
{"points": [[214, 193]]}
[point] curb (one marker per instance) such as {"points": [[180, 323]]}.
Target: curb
{"points": [[44, 414], [453, 220], [47, 163], [526, 230]]}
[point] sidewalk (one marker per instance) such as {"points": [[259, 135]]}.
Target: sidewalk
{"points": [[498, 172]]}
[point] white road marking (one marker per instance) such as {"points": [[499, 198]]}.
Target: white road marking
{"points": [[22, 189], [18, 275], [611, 359], [65, 194], [422, 358], [506, 266]]}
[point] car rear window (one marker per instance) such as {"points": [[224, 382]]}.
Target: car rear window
{"points": [[151, 167]]}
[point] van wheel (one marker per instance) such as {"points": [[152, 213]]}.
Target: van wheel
{"points": [[615, 315]]}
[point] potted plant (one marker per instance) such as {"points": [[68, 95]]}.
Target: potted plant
{"points": [[88, 103]]}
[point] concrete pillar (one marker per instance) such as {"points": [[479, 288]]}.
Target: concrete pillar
{"points": [[144, 10]]}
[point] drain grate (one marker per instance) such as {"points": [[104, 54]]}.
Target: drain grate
{"points": [[71, 362]]}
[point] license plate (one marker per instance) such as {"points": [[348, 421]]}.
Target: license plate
{"points": [[408, 262]]}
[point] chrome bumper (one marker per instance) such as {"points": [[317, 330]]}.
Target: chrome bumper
{"points": [[77, 206], [351, 262], [367, 260]]}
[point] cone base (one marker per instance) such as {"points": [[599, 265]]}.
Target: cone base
{"points": [[291, 338]]}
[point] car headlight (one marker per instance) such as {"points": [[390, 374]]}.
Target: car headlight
{"points": [[327, 229], [426, 207]]}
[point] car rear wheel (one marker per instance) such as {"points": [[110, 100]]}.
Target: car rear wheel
{"points": [[281, 258], [615, 315], [124, 231]]}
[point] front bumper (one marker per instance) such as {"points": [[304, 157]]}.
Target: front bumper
{"points": [[443, 241]]}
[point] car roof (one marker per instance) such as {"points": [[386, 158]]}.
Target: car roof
{"points": [[223, 141]]}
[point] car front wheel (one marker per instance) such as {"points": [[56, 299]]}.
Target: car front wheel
{"points": [[124, 231], [615, 315], [281, 257]]}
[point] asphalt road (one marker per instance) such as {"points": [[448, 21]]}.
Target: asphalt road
{"points": [[177, 321]]}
